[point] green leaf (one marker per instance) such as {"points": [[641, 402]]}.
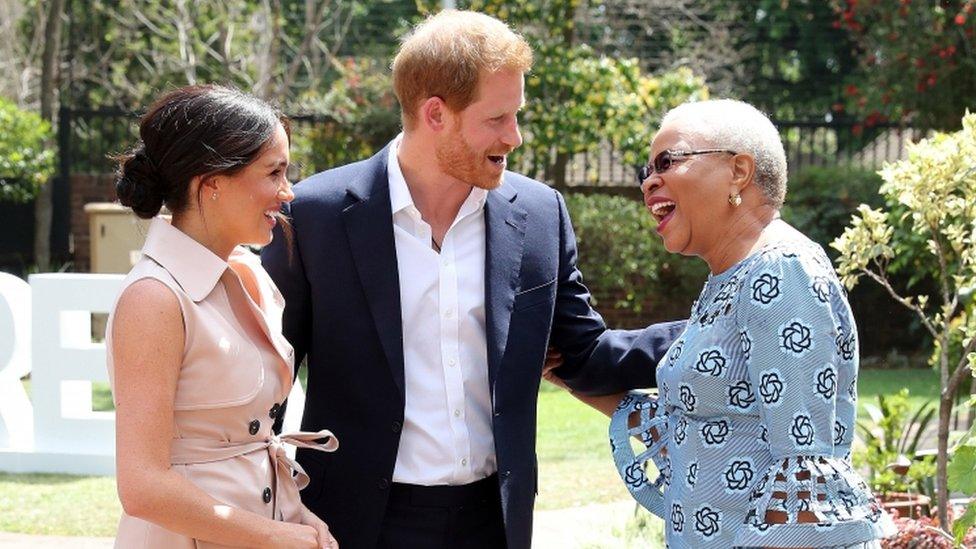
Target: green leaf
{"points": [[962, 524], [962, 470]]}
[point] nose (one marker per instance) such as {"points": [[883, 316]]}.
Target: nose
{"points": [[513, 135], [650, 184], [285, 194]]}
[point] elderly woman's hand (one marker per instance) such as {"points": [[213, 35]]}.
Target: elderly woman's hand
{"points": [[554, 359]]}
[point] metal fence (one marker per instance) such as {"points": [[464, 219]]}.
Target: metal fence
{"points": [[89, 138]]}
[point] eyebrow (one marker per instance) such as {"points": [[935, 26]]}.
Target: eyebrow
{"points": [[277, 163]]}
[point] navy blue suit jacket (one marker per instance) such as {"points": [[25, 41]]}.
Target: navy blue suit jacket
{"points": [[342, 313]]}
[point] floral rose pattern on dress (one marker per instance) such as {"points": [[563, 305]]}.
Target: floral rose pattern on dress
{"points": [[758, 391]]}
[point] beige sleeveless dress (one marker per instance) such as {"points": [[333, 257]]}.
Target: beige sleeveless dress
{"points": [[237, 369]]}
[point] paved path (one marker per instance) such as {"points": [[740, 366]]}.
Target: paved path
{"points": [[590, 527], [21, 541]]}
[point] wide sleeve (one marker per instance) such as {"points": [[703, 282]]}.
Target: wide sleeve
{"points": [[799, 336]]}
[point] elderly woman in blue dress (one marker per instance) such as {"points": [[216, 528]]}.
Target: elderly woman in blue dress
{"points": [[752, 425]]}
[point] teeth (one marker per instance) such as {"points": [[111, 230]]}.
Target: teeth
{"points": [[659, 207]]}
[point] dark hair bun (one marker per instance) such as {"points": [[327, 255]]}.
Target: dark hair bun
{"points": [[140, 185]]}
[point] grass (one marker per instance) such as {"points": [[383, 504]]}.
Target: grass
{"points": [[575, 467], [60, 505]]}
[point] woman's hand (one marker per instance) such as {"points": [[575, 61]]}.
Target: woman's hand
{"points": [[554, 359], [326, 541], [288, 535]]}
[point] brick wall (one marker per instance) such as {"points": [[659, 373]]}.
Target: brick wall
{"points": [[84, 189]]}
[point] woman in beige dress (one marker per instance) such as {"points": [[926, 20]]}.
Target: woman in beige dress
{"points": [[196, 358]]}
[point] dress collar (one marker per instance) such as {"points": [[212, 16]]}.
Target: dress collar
{"points": [[194, 267]]}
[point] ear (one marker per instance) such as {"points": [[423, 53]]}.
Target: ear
{"points": [[434, 113], [743, 170], [208, 182]]}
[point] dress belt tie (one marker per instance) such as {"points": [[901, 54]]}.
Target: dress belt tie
{"points": [[188, 451]]}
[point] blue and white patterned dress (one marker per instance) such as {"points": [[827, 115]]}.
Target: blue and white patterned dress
{"points": [[758, 399]]}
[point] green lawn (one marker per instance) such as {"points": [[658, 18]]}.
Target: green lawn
{"points": [[575, 467]]}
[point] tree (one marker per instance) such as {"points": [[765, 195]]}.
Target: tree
{"points": [[917, 60], [50, 71], [928, 225], [782, 56]]}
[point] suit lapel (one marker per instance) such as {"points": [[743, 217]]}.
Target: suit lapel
{"points": [[505, 234], [369, 226]]}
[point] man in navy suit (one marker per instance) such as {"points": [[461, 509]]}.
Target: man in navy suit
{"points": [[423, 285]]}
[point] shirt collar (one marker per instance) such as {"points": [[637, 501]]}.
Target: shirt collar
{"points": [[400, 197], [195, 268]]}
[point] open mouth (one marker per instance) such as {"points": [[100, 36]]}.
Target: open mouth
{"points": [[497, 159], [662, 210], [272, 216]]}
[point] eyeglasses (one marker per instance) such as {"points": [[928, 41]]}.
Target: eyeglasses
{"points": [[665, 159]]}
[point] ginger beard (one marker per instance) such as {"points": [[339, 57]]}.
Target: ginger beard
{"points": [[458, 159]]}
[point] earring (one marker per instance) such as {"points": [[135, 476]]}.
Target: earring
{"points": [[735, 199], [213, 196]]}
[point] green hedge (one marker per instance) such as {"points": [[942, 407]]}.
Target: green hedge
{"points": [[26, 155], [623, 260]]}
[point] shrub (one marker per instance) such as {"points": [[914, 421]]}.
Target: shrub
{"points": [[623, 259], [929, 225], [821, 199], [26, 157], [363, 116]]}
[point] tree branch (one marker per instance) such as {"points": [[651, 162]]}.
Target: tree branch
{"points": [[883, 281]]}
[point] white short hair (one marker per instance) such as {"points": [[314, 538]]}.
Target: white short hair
{"points": [[735, 125]]}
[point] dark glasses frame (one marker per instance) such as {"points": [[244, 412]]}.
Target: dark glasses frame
{"points": [[665, 159]]}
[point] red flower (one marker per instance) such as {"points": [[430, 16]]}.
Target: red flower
{"points": [[837, 107], [960, 19], [857, 130], [851, 90]]}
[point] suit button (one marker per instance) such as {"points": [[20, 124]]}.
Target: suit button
{"points": [[275, 410], [266, 496], [396, 426], [506, 474], [254, 427], [383, 484], [498, 413]]}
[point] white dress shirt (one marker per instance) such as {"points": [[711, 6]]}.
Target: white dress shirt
{"points": [[447, 433]]}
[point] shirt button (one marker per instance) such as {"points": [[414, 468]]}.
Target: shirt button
{"points": [[275, 410], [383, 484], [254, 427], [451, 362], [448, 313], [266, 496], [457, 413], [464, 461], [396, 426]]}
